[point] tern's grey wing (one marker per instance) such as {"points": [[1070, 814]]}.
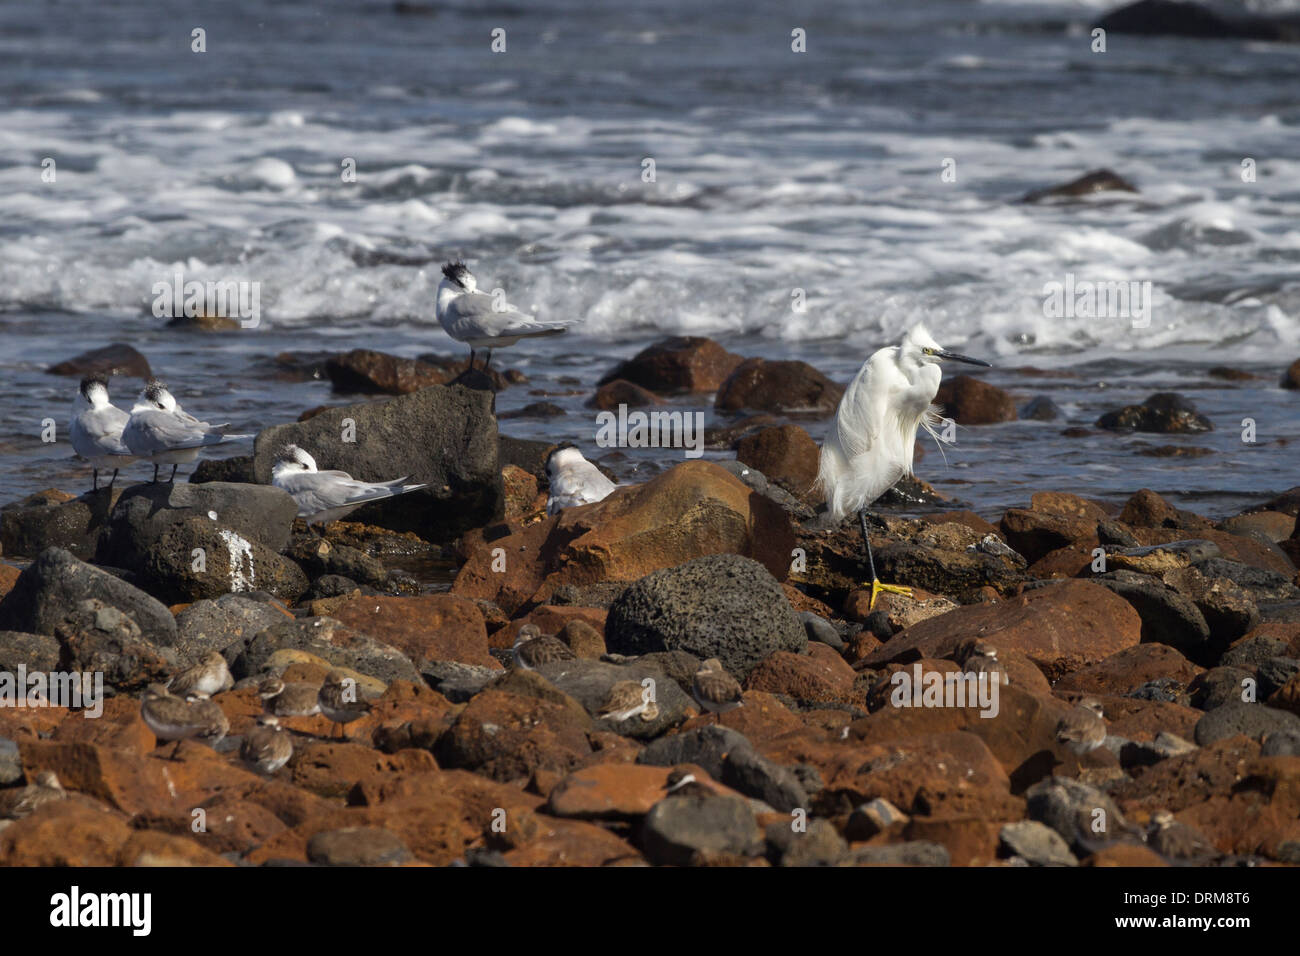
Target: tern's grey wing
{"points": [[322, 491], [472, 316], [98, 431], [151, 431]]}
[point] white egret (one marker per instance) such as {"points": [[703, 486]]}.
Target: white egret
{"points": [[479, 319], [870, 443]]}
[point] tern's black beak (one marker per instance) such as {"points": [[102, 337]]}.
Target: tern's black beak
{"points": [[953, 356]]}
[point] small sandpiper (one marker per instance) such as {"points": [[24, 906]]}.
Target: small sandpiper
{"points": [[267, 747], [981, 658], [23, 801], [714, 689], [340, 702], [292, 699], [683, 783], [1178, 841], [627, 699], [171, 718], [1083, 728], [208, 677], [533, 648]]}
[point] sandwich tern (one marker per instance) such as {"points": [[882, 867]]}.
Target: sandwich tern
{"points": [[96, 429], [479, 319], [160, 430], [325, 496]]}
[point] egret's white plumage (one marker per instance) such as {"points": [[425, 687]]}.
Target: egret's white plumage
{"points": [[478, 319], [325, 496], [160, 430], [96, 429], [573, 480], [870, 443]]}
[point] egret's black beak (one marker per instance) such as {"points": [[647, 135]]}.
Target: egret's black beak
{"points": [[953, 356]]}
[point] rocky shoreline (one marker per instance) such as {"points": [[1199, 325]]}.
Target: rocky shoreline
{"points": [[1185, 630]]}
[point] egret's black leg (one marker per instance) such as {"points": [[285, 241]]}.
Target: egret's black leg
{"points": [[155, 475], [173, 477], [489, 360], [866, 542], [471, 361], [94, 480], [113, 479]]}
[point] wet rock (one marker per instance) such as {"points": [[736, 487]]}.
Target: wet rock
{"points": [[911, 853], [1275, 673], [778, 386], [534, 410], [1167, 616], [1093, 181], [329, 640], [807, 678], [431, 627], [1219, 686], [615, 792], [589, 682], [756, 776], [972, 401], [357, 846], [319, 557], [695, 508], [1061, 627], [874, 817], [1251, 720], [145, 512], [1170, 18], [1040, 408], [370, 372], [786, 455], [236, 470], [1126, 670], [115, 359], [97, 638], [505, 737], [821, 630], [722, 606], [819, 844], [1275, 526], [194, 557], [1281, 743], [39, 521], [1165, 413], [1291, 377], [677, 364], [1036, 534], [456, 681], [622, 392], [678, 828], [798, 509], [445, 437], [36, 652], [1069, 807], [215, 625], [706, 747], [1035, 843], [56, 582]]}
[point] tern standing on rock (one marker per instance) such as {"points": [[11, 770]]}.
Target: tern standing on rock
{"points": [[96, 429], [871, 441], [481, 320], [160, 430]]}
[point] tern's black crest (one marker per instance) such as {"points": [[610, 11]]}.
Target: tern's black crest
{"points": [[288, 453], [456, 272], [92, 380], [154, 389]]}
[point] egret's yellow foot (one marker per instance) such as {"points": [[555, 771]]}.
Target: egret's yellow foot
{"points": [[877, 587]]}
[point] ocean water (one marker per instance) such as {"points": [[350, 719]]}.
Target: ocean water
{"points": [[774, 171]]}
